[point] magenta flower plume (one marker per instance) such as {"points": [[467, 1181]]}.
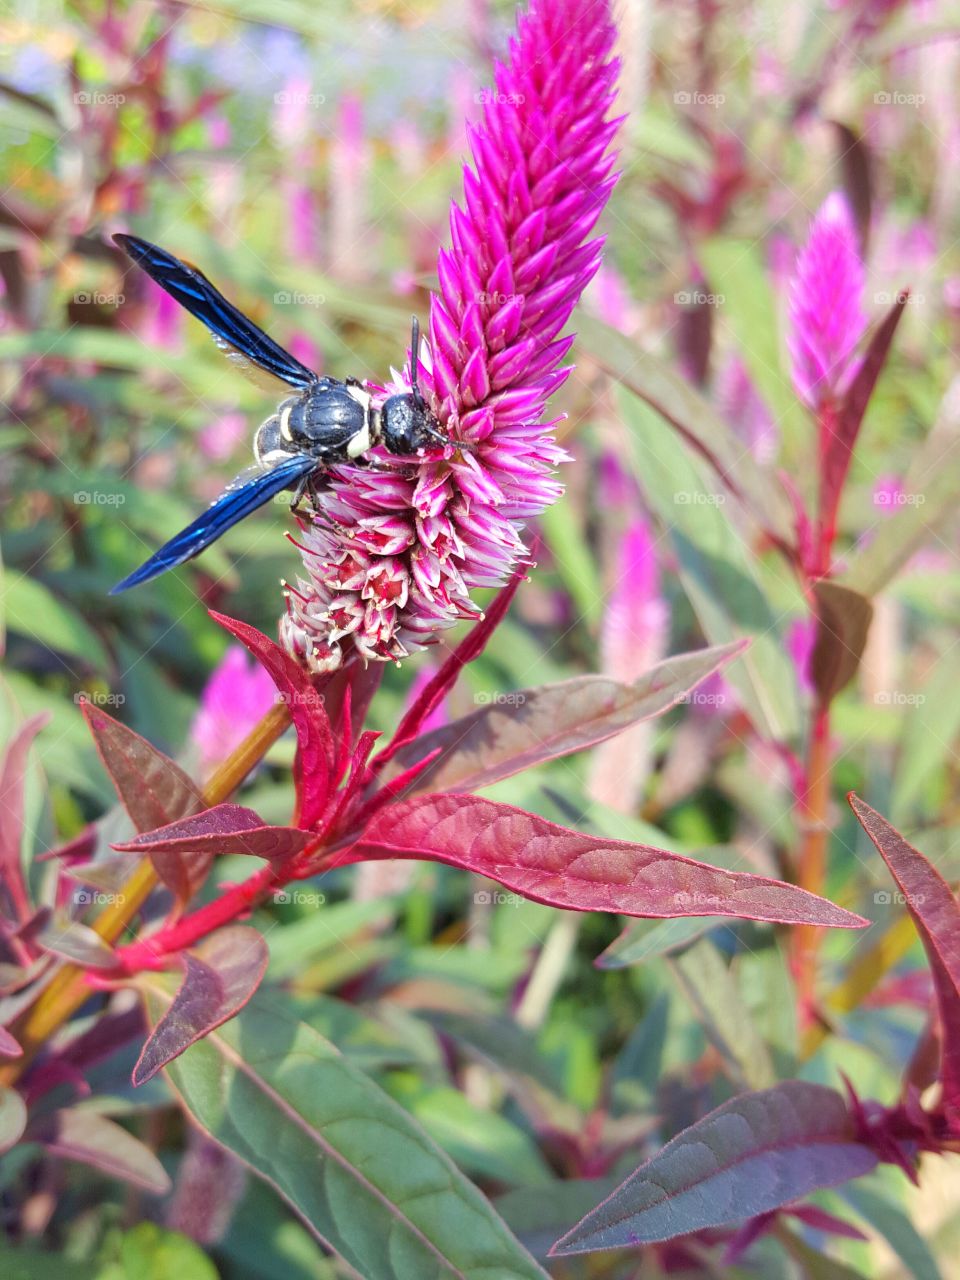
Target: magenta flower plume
{"points": [[394, 553], [826, 318], [237, 695]]}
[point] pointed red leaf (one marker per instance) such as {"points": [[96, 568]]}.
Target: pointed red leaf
{"points": [[316, 753], [433, 692], [751, 1155], [222, 973], [536, 725], [94, 1140], [849, 416], [12, 774], [563, 868], [936, 913], [224, 829], [154, 790]]}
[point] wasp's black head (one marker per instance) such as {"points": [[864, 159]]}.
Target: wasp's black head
{"points": [[407, 425]]}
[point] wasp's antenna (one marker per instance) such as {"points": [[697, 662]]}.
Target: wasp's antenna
{"points": [[415, 360]]}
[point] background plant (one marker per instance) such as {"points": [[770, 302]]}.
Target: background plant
{"points": [[783, 186]]}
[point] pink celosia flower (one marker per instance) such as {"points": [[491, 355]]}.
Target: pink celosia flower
{"points": [[633, 638], [393, 554], [237, 695], [743, 407], [219, 438], [826, 318]]}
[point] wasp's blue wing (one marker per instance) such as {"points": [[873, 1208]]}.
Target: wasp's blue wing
{"points": [[230, 327], [238, 500]]}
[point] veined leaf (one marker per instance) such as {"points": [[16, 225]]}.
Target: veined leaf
{"points": [[564, 868], [351, 1161], [543, 724], [223, 829], [749, 1156], [96, 1140]]}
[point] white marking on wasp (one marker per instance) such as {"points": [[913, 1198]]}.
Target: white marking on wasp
{"points": [[285, 419], [361, 442]]}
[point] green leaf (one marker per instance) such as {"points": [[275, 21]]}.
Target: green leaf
{"points": [[930, 726], [31, 609], [13, 1118], [642, 940], [32, 1264], [718, 571], [713, 992], [574, 562], [704, 433], [881, 1210], [347, 1158], [930, 486], [149, 1252]]}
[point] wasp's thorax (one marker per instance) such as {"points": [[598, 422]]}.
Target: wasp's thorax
{"points": [[337, 422]]}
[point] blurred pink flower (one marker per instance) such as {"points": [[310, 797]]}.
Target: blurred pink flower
{"points": [[826, 317], [888, 494], [801, 637], [743, 407], [633, 637], [237, 695], [162, 322], [395, 552], [219, 438]]}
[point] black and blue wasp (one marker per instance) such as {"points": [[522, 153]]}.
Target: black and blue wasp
{"points": [[327, 422]]}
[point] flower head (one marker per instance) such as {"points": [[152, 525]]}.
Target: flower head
{"points": [[393, 553], [235, 697], [826, 318]]}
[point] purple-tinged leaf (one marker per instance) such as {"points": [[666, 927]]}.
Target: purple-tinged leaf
{"points": [[936, 913], [13, 1118], [316, 752], [751, 1155], [8, 1045], [564, 868], [12, 774], [154, 790], [543, 724], [75, 941], [843, 622], [222, 973], [224, 829], [94, 1140], [472, 645]]}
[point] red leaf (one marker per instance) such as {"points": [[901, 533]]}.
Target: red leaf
{"points": [[316, 755], [849, 416], [552, 721], [472, 645], [222, 974], [226, 828], [94, 1140], [935, 911], [563, 868], [154, 791], [12, 772], [748, 1157]]}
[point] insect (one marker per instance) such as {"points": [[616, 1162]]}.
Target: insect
{"points": [[326, 422]]}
